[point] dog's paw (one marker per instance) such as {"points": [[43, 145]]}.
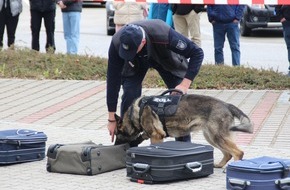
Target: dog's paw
{"points": [[218, 165]]}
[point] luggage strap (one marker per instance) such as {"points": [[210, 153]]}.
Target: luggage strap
{"points": [[286, 169]]}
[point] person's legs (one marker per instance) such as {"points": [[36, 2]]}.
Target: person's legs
{"points": [[11, 29], [75, 31], [180, 24], [67, 30], [194, 27], [286, 34], [171, 81], [35, 25], [2, 27], [233, 35], [49, 23], [219, 40]]}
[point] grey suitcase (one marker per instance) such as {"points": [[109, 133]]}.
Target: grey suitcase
{"points": [[262, 173], [85, 158]]}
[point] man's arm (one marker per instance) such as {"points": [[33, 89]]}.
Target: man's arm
{"points": [[240, 12], [115, 65], [191, 51]]}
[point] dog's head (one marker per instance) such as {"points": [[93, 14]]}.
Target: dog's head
{"points": [[128, 129], [138, 125]]}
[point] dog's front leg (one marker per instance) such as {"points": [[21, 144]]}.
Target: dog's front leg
{"points": [[152, 125], [155, 140]]}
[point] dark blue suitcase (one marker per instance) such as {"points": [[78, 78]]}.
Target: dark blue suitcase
{"points": [[262, 173], [169, 161], [21, 145]]}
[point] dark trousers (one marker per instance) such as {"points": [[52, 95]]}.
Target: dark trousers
{"points": [[6, 19], [132, 87], [49, 23], [286, 33]]}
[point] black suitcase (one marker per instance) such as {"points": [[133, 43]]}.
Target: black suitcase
{"points": [[169, 161], [21, 145], [262, 173]]}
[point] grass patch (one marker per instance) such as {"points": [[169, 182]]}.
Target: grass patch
{"points": [[28, 64]]}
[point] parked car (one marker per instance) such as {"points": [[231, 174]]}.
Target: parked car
{"points": [[258, 16], [110, 18], [93, 2]]}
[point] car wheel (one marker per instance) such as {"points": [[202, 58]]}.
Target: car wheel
{"points": [[244, 30], [110, 32]]}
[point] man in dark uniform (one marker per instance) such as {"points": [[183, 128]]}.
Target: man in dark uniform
{"points": [[148, 44]]}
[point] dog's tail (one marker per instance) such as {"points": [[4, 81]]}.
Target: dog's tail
{"points": [[245, 122]]}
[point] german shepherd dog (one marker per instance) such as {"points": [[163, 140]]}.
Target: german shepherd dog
{"points": [[194, 112]]}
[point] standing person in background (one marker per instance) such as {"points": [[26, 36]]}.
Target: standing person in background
{"points": [[9, 16], [71, 15], [187, 21], [283, 12], [161, 11], [42, 9], [126, 12], [225, 20]]}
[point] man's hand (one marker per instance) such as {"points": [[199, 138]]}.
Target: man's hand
{"points": [[61, 5], [111, 127], [112, 124], [283, 20], [184, 85]]}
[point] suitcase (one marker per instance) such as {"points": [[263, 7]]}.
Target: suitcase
{"points": [[85, 158], [21, 145], [169, 161], [262, 173]]}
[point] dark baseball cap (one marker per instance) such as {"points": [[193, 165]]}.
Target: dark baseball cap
{"points": [[130, 38]]}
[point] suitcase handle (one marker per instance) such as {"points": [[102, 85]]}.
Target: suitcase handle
{"points": [[283, 183], [237, 184], [194, 166], [27, 132], [140, 168]]}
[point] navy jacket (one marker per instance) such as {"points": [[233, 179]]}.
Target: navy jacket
{"points": [[225, 13]]}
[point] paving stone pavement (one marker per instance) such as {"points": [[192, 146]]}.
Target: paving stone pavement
{"points": [[75, 111]]}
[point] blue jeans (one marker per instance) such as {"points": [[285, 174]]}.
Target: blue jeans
{"points": [[132, 87], [286, 34], [71, 29], [220, 30]]}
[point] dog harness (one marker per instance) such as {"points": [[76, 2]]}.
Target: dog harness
{"points": [[163, 106]]}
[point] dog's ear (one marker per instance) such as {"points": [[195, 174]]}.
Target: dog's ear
{"points": [[151, 123], [118, 119]]}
